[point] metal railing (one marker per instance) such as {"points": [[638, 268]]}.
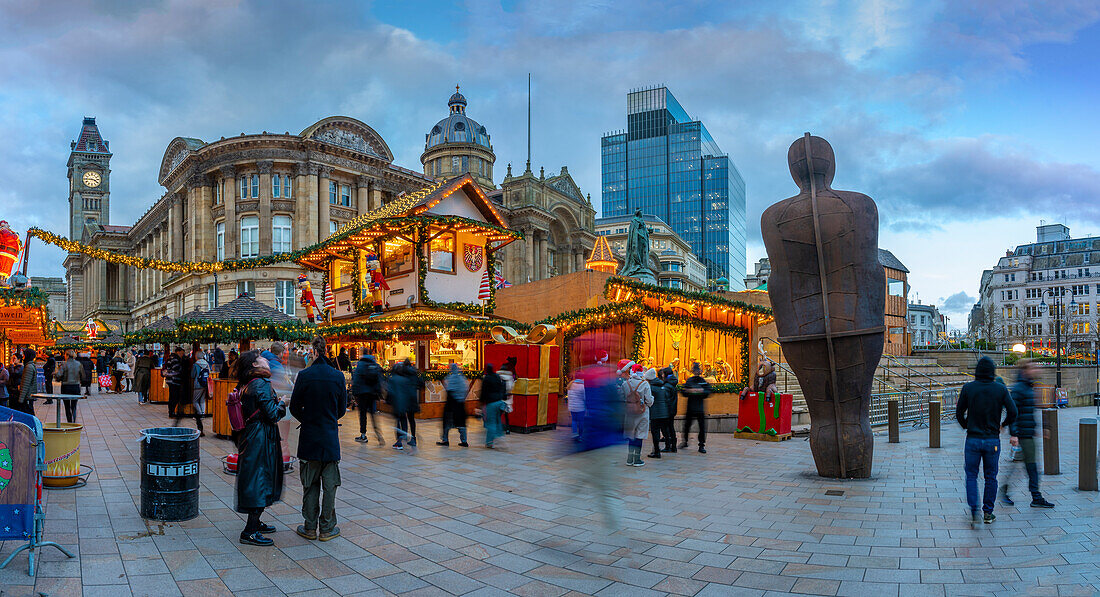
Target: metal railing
{"points": [[913, 406]]}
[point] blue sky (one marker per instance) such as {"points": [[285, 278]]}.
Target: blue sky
{"points": [[967, 122]]}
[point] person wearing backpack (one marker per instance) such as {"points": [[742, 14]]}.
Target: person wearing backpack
{"points": [[200, 390], [637, 398], [696, 389], [260, 458], [366, 387]]}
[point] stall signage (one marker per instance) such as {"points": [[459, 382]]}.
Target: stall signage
{"points": [[9, 317], [397, 291]]}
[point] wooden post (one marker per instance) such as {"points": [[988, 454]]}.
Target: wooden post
{"points": [[892, 420], [1086, 477], [933, 423], [1050, 441]]}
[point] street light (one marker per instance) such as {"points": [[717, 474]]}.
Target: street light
{"points": [[1057, 296]]}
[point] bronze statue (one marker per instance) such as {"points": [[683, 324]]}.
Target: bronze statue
{"points": [[828, 292], [636, 260]]}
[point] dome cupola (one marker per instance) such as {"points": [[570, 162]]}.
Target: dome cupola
{"points": [[459, 144]]}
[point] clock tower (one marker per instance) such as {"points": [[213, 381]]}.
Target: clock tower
{"points": [[89, 204], [89, 180]]}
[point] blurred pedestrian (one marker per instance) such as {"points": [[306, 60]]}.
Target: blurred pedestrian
{"points": [[89, 372], [454, 410], [48, 369], [575, 403], [70, 373], [696, 389], [143, 367], [1024, 430], [4, 379], [118, 369], [366, 387], [15, 378], [493, 393], [102, 368], [128, 374], [200, 389], [979, 412], [343, 360], [637, 399], [507, 374], [403, 388], [28, 386], [318, 400], [282, 384], [259, 462], [603, 429], [175, 373]]}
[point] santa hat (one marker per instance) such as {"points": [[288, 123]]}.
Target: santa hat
{"points": [[625, 365], [601, 355], [637, 368]]}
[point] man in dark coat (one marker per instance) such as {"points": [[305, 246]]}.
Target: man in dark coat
{"points": [[47, 370], [696, 389], [366, 387], [658, 412], [175, 373], [979, 412], [318, 401], [143, 365], [672, 392], [89, 372], [1024, 430]]}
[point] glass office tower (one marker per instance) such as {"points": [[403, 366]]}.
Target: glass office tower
{"points": [[667, 165]]}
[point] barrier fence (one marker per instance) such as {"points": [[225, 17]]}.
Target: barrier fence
{"points": [[913, 406]]}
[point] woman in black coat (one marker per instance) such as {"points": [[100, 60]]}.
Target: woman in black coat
{"points": [[260, 462]]}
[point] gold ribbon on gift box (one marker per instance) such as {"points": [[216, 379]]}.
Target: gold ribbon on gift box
{"points": [[539, 336]]}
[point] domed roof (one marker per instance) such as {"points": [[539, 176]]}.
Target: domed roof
{"points": [[457, 127]]}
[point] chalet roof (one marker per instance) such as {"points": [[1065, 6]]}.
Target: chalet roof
{"points": [[601, 253], [887, 259], [164, 324], [240, 308]]}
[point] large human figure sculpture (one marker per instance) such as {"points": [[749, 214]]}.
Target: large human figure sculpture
{"points": [[636, 261], [828, 293]]}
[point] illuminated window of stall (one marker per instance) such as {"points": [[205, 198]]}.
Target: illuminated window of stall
{"points": [[397, 258], [445, 351], [342, 271], [443, 253]]}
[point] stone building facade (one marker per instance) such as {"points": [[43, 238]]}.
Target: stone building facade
{"points": [[673, 262]]}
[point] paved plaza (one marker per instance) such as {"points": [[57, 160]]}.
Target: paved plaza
{"points": [[748, 518]]}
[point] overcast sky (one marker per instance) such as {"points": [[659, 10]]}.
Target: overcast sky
{"points": [[968, 122]]}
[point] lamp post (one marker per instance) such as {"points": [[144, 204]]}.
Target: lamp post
{"points": [[1057, 296]]}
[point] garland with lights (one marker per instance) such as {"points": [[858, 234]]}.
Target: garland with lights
{"points": [[440, 375], [664, 294], [255, 262], [369, 331], [24, 297], [236, 330]]}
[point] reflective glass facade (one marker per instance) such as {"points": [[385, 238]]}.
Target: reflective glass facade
{"points": [[667, 165]]}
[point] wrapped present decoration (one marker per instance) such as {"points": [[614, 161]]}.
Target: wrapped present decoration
{"points": [[758, 416], [538, 371]]}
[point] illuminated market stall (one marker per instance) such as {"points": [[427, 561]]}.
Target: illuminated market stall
{"points": [[24, 321], [415, 280]]}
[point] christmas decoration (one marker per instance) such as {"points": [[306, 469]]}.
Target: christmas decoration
{"points": [[377, 283], [307, 299], [10, 247]]}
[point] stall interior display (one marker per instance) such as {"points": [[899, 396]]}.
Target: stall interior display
{"points": [[24, 320], [661, 327]]}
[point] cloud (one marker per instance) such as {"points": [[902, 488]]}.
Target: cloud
{"points": [[957, 303]]}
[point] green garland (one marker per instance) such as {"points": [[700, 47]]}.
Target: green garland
{"points": [[24, 297], [367, 330], [686, 295], [439, 375], [236, 330]]}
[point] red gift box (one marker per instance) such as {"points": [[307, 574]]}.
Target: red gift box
{"points": [[748, 414], [535, 393]]}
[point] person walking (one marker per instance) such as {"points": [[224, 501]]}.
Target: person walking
{"points": [[1024, 430], [70, 373], [403, 386], [696, 389], [672, 396], [200, 389], [366, 387], [117, 371], [89, 372], [128, 373], [658, 411], [318, 401], [282, 384], [28, 386], [15, 378], [102, 367], [47, 370], [575, 403], [637, 398], [174, 376], [493, 392], [507, 374], [454, 410], [143, 367], [344, 360], [979, 412], [259, 461]]}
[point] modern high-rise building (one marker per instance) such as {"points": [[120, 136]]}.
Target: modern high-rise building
{"points": [[668, 165]]}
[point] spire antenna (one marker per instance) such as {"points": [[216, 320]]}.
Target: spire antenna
{"points": [[528, 122]]}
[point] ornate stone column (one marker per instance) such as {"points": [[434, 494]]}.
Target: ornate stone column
{"points": [[529, 240], [175, 228], [264, 167], [375, 197], [324, 177], [229, 177], [362, 195], [303, 212], [544, 263]]}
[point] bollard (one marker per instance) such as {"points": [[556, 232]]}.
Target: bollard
{"points": [[1050, 441], [1086, 477], [933, 423], [892, 420]]}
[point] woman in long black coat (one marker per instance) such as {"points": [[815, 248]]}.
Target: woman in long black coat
{"points": [[260, 459]]}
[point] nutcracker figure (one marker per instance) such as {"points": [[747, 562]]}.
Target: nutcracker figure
{"points": [[376, 283], [10, 246], [307, 299]]}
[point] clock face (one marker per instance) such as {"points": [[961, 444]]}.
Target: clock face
{"points": [[91, 179]]}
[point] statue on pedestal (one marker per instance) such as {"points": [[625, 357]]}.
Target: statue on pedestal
{"points": [[828, 293], [636, 260]]}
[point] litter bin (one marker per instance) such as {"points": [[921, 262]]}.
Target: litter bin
{"points": [[169, 473]]}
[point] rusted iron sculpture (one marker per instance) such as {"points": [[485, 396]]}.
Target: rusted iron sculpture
{"points": [[828, 292]]}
